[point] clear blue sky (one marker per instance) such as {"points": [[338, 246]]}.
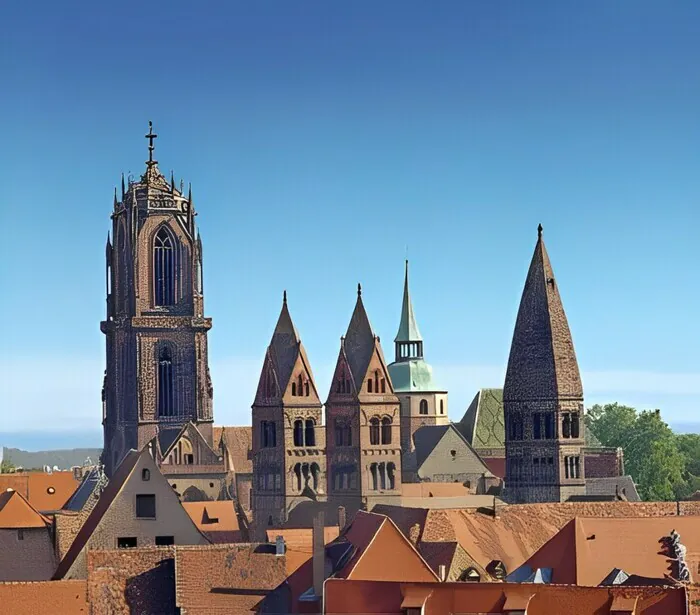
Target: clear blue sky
{"points": [[321, 139]]}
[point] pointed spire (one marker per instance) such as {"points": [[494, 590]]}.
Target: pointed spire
{"points": [[359, 289], [172, 181], [359, 339], [189, 195], [123, 187], [539, 231], [109, 244], [284, 297], [116, 202], [408, 327], [542, 363]]}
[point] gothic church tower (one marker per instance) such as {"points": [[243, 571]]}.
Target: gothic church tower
{"points": [[157, 378], [543, 395], [289, 463], [363, 422]]}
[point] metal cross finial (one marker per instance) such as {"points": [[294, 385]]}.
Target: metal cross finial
{"points": [[284, 297], [151, 137], [359, 289], [539, 230]]}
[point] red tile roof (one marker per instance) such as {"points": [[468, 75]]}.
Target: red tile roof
{"points": [[45, 492], [50, 597], [217, 520], [342, 596], [18, 513], [225, 578], [586, 550], [497, 465]]}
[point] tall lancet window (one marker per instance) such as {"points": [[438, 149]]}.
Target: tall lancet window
{"points": [[164, 268], [166, 398]]}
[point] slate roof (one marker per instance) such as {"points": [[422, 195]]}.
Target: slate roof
{"points": [[613, 486], [358, 343], [239, 442], [542, 362], [483, 424], [408, 326], [426, 438], [83, 492]]}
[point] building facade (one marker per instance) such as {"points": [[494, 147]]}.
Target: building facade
{"points": [[422, 402], [543, 395], [363, 421], [157, 381], [289, 451]]}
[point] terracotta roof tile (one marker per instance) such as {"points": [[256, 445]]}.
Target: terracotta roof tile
{"points": [[217, 520], [17, 512], [225, 578], [434, 490], [54, 597], [45, 492], [374, 597], [586, 550]]}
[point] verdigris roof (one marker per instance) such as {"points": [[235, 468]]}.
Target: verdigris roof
{"points": [[412, 375], [542, 362], [408, 327], [483, 424]]}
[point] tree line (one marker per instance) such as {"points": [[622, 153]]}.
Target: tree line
{"points": [[664, 465]]}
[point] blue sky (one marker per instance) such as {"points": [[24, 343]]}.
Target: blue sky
{"points": [[323, 140]]}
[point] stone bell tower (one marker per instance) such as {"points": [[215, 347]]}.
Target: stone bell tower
{"points": [[157, 379]]}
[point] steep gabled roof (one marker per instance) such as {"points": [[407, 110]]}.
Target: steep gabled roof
{"points": [[108, 496], [283, 352], [408, 327], [17, 513], [359, 341], [483, 424], [427, 439], [45, 491], [238, 440], [542, 362]]}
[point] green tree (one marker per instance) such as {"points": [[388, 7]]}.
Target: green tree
{"points": [[6, 466], [652, 455]]}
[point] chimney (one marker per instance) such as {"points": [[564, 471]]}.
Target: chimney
{"points": [[442, 572], [319, 554], [279, 546], [342, 518]]}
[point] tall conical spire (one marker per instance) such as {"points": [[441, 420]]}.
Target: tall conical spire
{"points": [[359, 339], [408, 342], [542, 362], [408, 327]]}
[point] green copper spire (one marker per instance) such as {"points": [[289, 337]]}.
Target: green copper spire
{"points": [[408, 341], [408, 328]]}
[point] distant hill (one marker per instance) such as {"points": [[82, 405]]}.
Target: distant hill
{"points": [[685, 427], [64, 459]]}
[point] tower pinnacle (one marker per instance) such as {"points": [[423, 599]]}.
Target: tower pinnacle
{"points": [[151, 136], [539, 231]]}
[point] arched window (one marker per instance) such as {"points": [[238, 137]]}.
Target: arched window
{"points": [[574, 425], [297, 476], [374, 430], [294, 389], [305, 474], [423, 406], [166, 400], [186, 452], [566, 426], [391, 474], [373, 472], [164, 268], [306, 388], [386, 430], [383, 385], [382, 475], [310, 433], [376, 381], [369, 385], [315, 474], [298, 433], [442, 406], [272, 434], [300, 385]]}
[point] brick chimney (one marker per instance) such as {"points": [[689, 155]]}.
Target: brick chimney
{"points": [[318, 554], [342, 518]]}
